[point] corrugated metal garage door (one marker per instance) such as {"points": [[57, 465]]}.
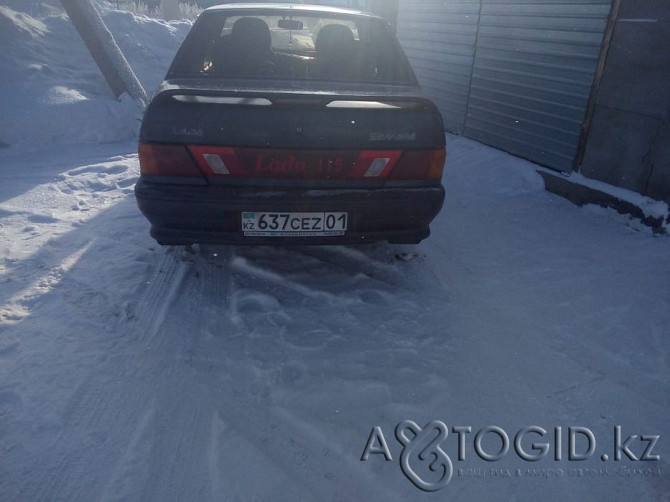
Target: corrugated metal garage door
{"points": [[517, 75], [439, 39]]}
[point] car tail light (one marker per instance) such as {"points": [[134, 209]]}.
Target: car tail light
{"points": [[236, 162], [167, 160], [371, 164], [217, 160], [420, 165]]}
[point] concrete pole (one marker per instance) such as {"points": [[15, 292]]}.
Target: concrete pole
{"points": [[102, 46]]}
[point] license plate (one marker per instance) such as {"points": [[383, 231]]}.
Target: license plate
{"points": [[293, 224]]}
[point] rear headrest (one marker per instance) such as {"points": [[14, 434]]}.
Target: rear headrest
{"points": [[251, 34], [334, 41]]}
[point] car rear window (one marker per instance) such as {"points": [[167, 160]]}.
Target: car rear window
{"points": [[301, 46]]}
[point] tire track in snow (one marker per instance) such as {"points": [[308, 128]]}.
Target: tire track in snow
{"points": [[243, 266], [223, 280], [246, 409], [132, 468], [163, 288], [306, 458], [165, 455], [181, 287], [356, 261], [180, 467], [217, 286], [107, 404], [399, 267], [95, 416], [262, 290], [217, 429]]}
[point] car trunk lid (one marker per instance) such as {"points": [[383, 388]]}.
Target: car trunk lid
{"points": [[377, 119]]}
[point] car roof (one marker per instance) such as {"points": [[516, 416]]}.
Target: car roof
{"points": [[295, 7]]}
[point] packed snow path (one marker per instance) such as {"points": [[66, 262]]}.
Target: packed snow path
{"points": [[134, 372]]}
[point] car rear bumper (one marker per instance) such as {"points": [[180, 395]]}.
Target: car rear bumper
{"points": [[186, 214]]}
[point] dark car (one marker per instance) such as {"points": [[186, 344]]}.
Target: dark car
{"points": [[282, 123]]}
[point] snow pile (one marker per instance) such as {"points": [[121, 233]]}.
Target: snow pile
{"points": [[513, 176], [52, 90], [650, 207]]}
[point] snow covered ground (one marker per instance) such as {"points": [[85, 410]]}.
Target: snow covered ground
{"points": [[134, 372]]}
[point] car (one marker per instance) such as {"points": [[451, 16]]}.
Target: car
{"points": [[290, 124]]}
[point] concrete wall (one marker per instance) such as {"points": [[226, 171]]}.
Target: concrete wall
{"points": [[628, 142]]}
